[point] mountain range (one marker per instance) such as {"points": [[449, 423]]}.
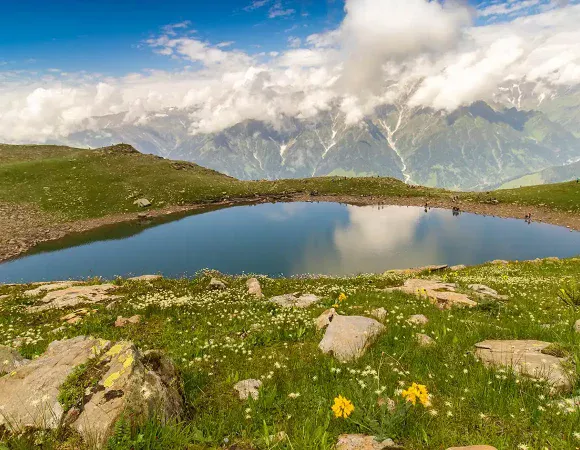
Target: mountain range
{"points": [[525, 129]]}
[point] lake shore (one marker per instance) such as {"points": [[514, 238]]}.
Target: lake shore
{"points": [[24, 227]]}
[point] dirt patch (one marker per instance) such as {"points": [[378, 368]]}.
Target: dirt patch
{"points": [[24, 226]]}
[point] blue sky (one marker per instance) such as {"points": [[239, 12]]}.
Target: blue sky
{"points": [[106, 36]]}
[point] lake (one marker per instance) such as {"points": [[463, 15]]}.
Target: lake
{"points": [[291, 239]]}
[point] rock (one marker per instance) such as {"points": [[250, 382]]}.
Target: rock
{"points": [[325, 318], [362, 442], [416, 270], [248, 388], [483, 290], [418, 319], [48, 287], [441, 294], [499, 262], [567, 405], [552, 259], [347, 337], [2, 297], [291, 301], [577, 326], [254, 287], [122, 321], [10, 359], [379, 313], [473, 447], [457, 268], [526, 357], [142, 215], [217, 284], [424, 340], [75, 316], [145, 278], [74, 296], [141, 386], [142, 202]]}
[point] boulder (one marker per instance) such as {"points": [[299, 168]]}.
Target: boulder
{"points": [[526, 357], [418, 319], [347, 337], [254, 287], [457, 268], [473, 447], [75, 316], [10, 359], [440, 294], [73, 296], [499, 262], [379, 314], [3, 297], [485, 291], [127, 383], [145, 278], [122, 321], [291, 301], [142, 202], [362, 442], [216, 284], [248, 388], [325, 318], [424, 340]]}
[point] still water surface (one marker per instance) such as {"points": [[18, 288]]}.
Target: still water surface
{"points": [[293, 238]]}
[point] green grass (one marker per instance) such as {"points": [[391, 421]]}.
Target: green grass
{"points": [[218, 338], [73, 184]]}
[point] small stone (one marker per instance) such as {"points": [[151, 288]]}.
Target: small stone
{"points": [[217, 284], [485, 291], [291, 301], [254, 287], [424, 340], [325, 318], [499, 262], [122, 321], [418, 319], [577, 326], [473, 447], [142, 202], [248, 388], [362, 442], [457, 268], [379, 313], [145, 278]]}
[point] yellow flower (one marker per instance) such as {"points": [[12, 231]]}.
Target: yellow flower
{"points": [[342, 407], [342, 297], [417, 392]]}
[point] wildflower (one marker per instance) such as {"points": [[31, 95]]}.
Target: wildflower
{"points": [[342, 297], [417, 392], [342, 407]]}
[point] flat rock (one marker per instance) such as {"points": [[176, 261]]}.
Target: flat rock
{"points": [[142, 202], [485, 291], [122, 321], [48, 287], [248, 388], [526, 358], [75, 316], [217, 284], [424, 340], [416, 270], [254, 287], [440, 294], [347, 337], [499, 262], [142, 385], [145, 278], [418, 319], [291, 301], [10, 359], [73, 296], [473, 447], [324, 319], [457, 268], [362, 442]]}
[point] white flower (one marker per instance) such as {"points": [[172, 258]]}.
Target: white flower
{"points": [[294, 395]]}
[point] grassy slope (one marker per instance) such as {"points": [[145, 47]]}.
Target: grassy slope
{"points": [[76, 184], [218, 338]]}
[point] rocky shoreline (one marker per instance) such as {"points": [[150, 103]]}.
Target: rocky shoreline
{"points": [[24, 227]]}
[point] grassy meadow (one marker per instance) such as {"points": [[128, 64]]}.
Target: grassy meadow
{"points": [[217, 338]]}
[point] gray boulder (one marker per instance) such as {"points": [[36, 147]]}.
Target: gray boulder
{"points": [[347, 337], [485, 291], [142, 202], [292, 301], [254, 287], [217, 285]]}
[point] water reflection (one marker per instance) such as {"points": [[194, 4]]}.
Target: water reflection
{"points": [[297, 238]]}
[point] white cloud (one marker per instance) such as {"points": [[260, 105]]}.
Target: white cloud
{"points": [[381, 48]]}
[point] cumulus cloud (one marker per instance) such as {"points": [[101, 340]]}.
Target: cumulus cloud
{"points": [[425, 53]]}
